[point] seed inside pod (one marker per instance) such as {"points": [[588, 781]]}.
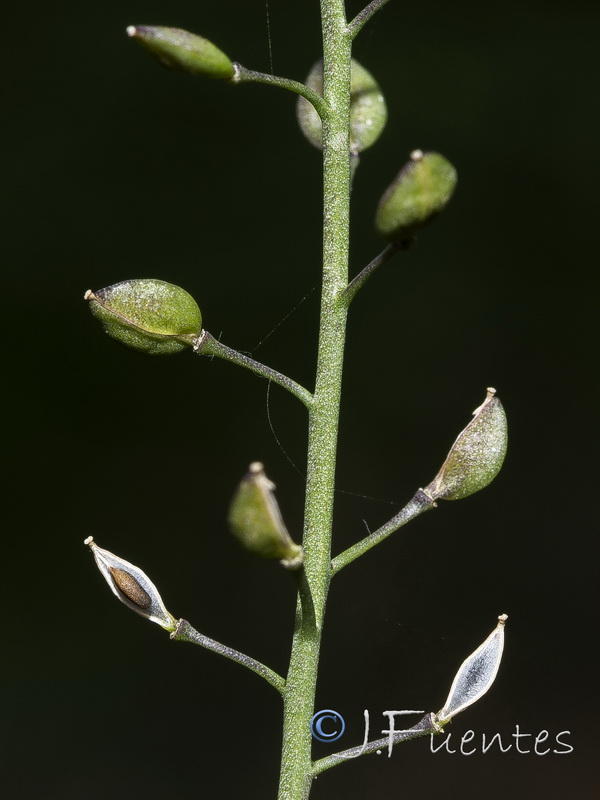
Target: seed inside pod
{"points": [[127, 584]]}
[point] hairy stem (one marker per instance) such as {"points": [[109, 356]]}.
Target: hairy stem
{"points": [[207, 345], [426, 726], [243, 75], [420, 502], [296, 766], [185, 633], [364, 16], [359, 281]]}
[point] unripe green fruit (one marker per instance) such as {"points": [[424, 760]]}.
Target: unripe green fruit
{"points": [[256, 521], [368, 112], [183, 51], [417, 195], [148, 315], [476, 456]]}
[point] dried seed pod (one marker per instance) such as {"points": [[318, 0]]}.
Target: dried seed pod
{"points": [[132, 586], [183, 51], [476, 674], [419, 193], [155, 317], [256, 521], [368, 112], [476, 456]]}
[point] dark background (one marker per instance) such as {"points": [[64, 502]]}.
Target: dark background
{"points": [[115, 168]]}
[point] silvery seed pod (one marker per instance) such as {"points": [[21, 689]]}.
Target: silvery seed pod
{"points": [[256, 521], [476, 674], [132, 586], [183, 51], [149, 315], [476, 456], [419, 193], [368, 112]]}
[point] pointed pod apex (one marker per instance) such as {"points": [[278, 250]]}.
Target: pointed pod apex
{"points": [[368, 112], [476, 456], [183, 51], [417, 195], [152, 316], [256, 521], [132, 586]]}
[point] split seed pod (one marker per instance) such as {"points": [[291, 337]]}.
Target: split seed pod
{"points": [[149, 315], [183, 51], [419, 193], [132, 586], [476, 456], [368, 112], [476, 674], [256, 521]]}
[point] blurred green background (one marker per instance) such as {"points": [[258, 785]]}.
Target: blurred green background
{"points": [[115, 168]]}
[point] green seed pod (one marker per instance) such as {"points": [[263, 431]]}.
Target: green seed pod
{"points": [[255, 519], [152, 316], [183, 51], [132, 586], [368, 112], [417, 195], [476, 456]]}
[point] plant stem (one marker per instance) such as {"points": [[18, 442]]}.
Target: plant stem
{"points": [[420, 502], [364, 16], [185, 633], [207, 345], [359, 281], [296, 766], [425, 727], [243, 75]]}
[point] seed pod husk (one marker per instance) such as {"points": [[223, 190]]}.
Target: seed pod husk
{"points": [[132, 586], [152, 316], [476, 674]]}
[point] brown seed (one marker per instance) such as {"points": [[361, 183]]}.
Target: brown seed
{"points": [[128, 585]]}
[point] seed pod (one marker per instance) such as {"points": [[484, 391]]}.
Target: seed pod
{"points": [[417, 195], [476, 456], [132, 586], [149, 315], [256, 521], [476, 674], [183, 51], [368, 112]]}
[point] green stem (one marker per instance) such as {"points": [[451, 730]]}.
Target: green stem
{"points": [[296, 766], [364, 16], [420, 502], [207, 345], [243, 75], [359, 281], [185, 633]]}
